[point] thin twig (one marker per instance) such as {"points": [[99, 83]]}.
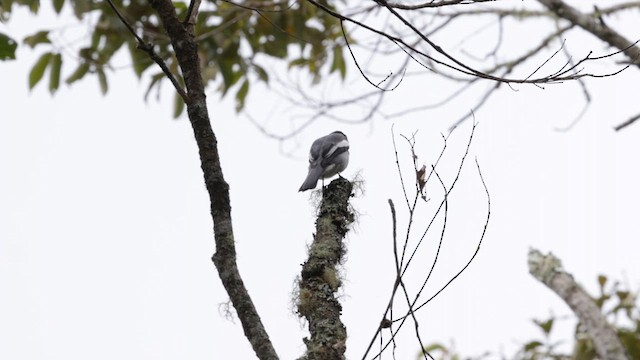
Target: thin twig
{"points": [[148, 48], [355, 61], [192, 15], [484, 231], [402, 268], [627, 123], [395, 150], [412, 307]]}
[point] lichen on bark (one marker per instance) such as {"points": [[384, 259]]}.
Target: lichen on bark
{"points": [[319, 280], [548, 269]]}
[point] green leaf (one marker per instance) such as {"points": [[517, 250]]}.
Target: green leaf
{"points": [[434, 347], [601, 300], [583, 349], [181, 7], [262, 73], [532, 345], [54, 72], [229, 76], [81, 7], [602, 280], [338, 62], [7, 47], [622, 295], [102, 79], [79, 73], [41, 37], [6, 9], [57, 5], [298, 62], [112, 44], [38, 69], [95, 39], [34, 5], [178, 106], [545, 325], [241, 95], [155, 81], [631, 342], [139, 58]]}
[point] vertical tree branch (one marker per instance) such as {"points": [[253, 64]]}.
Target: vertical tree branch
{"points": [[192, 14], [320, 281], [186, 49], [548, 269]]}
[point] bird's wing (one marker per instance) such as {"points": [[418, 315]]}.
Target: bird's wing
{"points": [[328, 147], [316, 149], [333, 145]]}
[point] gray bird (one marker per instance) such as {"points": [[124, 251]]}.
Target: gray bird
{"points": [[329, 155]]}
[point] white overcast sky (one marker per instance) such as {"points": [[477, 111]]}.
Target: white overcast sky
{"points": [[106, 237]]}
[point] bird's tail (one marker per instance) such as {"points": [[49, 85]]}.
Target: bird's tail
{"points": [[312, 178]]}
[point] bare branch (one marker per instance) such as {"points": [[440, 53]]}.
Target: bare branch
{"points": [[402, 268], [484, 231], [419, 26], [269, 7], [597, 28], [619, 7], [627, 123], [355, 61], [434, 4], [476, 107], [585, 93], [401, 282], [395, 150]]}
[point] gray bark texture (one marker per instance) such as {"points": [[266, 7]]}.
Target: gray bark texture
{"points": [[595, 26], [186, 49], [319, 280], [548, 269]]}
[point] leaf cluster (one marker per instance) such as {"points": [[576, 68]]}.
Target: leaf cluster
{"points": [[619, 304], [235, 42]]}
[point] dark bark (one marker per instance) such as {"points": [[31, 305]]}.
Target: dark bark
{"points": [[548, 269], [186, 50], [320, 280]]}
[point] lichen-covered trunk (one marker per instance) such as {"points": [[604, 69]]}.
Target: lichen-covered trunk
{"points": [[320, 279]]}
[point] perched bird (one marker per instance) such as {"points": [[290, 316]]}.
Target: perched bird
{"points": [[329, 155]]}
